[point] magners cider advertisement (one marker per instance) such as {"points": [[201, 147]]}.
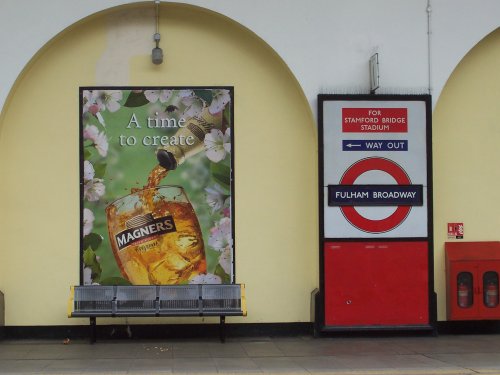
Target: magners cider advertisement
{"points": [[156, 185]]}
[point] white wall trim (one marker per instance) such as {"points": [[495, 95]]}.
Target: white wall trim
{"points": [[325, 43]]}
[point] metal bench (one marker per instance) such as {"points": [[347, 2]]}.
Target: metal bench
{"points": [[95, 301]]}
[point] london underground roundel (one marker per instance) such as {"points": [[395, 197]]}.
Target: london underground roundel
{"points": [[375, 164]]}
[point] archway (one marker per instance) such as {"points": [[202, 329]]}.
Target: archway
{"points": [[275, 154], [466, 135]]}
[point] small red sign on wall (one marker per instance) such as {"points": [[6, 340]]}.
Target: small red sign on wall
{"points": [[456, 230], [374, 120]]}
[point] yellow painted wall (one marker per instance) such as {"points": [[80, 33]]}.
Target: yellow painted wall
{"points": [[466, 144], [275, 157]]}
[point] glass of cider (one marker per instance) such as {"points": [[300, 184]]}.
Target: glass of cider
{"points": [[156, 237]]}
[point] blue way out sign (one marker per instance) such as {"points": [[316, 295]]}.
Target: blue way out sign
{"points": [[374, 145]]}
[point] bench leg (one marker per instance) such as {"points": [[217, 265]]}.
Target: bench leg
{"points": [[222, 329], [92, 329]]}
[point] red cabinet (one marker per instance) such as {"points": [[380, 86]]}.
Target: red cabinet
{"points": [[472, 278]]}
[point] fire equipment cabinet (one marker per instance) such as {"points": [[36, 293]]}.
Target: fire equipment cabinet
{"points": [[472, 277]]}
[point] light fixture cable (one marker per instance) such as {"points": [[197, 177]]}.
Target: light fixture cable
{"points": [[429, 45], [157, 53], [157, 2]]}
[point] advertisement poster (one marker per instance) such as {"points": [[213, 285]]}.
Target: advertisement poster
{"points": [[156, 185], [375, 176]]}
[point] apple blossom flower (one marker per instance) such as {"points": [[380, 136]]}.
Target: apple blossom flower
{"points": [[94, 189], [108, 99], [208, 278], [87, 276], [90, 132], [225, 260], [221, 240], [154, 95], [216, 197], [221, 235], [226, 209], [219, 101], [186, 93], [217, 144], [90, 107], [88, 100], [194, 105], [101, 144], [88, 170], [98, 138], [88, 221]]}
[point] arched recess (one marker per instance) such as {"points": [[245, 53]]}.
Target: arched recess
{"points": [[275, 155], [466, 139]]}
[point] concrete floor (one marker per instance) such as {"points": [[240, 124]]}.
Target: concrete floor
{"points": [[445, 354]]}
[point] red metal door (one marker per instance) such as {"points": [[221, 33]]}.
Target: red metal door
{"points": [[460, 273], [376, 284], [487, 298]]}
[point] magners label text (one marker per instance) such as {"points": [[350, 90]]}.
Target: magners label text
{"points": [[145, 232]]}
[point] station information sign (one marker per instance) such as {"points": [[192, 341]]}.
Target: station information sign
{"points": [[375, 166]]}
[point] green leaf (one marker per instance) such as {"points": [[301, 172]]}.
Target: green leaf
{"points": [[219, 271], [96, 272], [87, 154], [90, 261], [221, 174], [88, 257], [92, 241], [100, 169], [206, 95], [115, 281], [136, 99]]}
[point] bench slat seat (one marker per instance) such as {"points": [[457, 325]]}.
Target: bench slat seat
{"points": [[183, 300], [94, 301]]}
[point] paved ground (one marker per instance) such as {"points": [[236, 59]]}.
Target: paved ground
{"points": [[446, 354]]}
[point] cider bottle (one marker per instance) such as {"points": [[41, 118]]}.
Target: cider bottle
{"points": [[171, 156]]}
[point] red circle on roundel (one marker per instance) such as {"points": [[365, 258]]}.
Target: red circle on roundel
{"points": [[361, 222]]}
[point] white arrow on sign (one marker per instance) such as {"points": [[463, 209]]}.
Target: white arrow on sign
{"points": [[352, 145]]}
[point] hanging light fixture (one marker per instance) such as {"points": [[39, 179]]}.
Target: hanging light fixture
{"points": [[157, 53]]}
